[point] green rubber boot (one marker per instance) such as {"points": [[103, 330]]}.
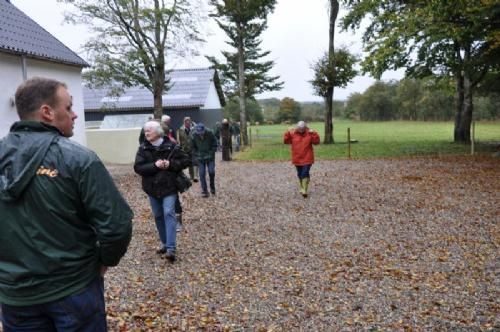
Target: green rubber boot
{"points": [[305, 185], [301, 184]]}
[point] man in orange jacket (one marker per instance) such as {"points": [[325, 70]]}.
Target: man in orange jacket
{"points": [[302, 139]]}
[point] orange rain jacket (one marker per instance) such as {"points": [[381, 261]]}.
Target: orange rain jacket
{"points": [[302, 145]]}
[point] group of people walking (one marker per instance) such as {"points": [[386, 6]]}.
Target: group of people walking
{"points": [[64, 222], [160, 160]]}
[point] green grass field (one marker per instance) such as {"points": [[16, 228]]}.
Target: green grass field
{"points": [[374, 139]]}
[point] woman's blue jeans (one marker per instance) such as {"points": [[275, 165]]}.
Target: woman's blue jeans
{"points": [[83, 312], [164, 213]]}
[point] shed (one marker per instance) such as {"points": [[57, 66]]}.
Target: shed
{"points": [[194, 92]]}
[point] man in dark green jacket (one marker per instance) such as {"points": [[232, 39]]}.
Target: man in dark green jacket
{"points": [[185, 139], [204, 147], [62, 219]]}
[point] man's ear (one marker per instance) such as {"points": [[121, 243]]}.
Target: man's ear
{"points": [[47, 113]]}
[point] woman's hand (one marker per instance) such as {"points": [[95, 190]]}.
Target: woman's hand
{"points": [[162, 163]]}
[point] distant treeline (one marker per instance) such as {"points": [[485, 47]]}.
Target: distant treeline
{"points": [[408, 99]]}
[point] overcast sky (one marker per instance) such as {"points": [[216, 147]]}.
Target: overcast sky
{"points": [[297, 35]]}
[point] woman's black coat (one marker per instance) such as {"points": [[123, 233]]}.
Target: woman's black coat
{"points": [[158, 182]]}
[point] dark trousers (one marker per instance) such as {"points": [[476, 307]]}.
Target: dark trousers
{"points": [[83, 312], [303, 171], [203, 167]]}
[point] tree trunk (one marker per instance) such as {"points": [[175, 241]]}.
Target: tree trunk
{"points": [[334, 10], [158, 99], [328, 139], [241, 79], [459, 102], [462, 131], [159, 67], [464, 107]]}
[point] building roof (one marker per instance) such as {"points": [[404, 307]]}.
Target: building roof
{"points": [[19, 34], [189, 88]]}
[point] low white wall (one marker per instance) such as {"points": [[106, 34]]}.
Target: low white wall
{"points": [[115, 146]]}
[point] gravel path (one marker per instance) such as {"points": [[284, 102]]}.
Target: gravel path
{"points": [[389, 245]]}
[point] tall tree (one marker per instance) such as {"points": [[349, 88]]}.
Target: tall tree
{"points": [[132, 38], [458, 39], [243, 21], [334, 11], [331, 71]]}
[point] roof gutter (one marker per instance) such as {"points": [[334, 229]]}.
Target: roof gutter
{"points": [[42, 58]]}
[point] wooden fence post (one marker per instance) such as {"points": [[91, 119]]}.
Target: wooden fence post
{"points": [[472, 138], [349, 143]]}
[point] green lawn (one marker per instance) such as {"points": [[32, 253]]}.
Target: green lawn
{"points": [[374, 139]]}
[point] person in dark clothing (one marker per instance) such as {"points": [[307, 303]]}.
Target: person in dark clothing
{"points": [[225, 137], [158, 161], [204, 148], [168, 131], [185, 139], [235, 130], [216, 132], [63, 221]]}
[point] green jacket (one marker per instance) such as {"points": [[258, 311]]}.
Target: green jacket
{"points": [[61, 216], [204, 147], [185, 139]]}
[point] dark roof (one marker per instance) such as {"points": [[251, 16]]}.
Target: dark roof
{"points": [[19, 34], [190, 88]]}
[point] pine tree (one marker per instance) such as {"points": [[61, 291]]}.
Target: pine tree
{"points": [[243, 75]]}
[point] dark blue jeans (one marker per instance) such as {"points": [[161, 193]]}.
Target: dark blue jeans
{"points": [[303, 171], [202, 169], [83, 312]]}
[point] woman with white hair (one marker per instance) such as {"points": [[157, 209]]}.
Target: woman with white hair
{"points": [[302, 140], [158, 161]]}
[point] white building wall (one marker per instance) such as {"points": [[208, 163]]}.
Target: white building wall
{"points": [[12, 77], [70, 75], [212, 101]]}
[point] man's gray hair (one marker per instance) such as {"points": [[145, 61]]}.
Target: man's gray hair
{"points": [[165, 118], [155, 125]]}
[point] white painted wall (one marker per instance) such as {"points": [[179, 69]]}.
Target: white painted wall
{"points": [[11, 77], [212, 101]]}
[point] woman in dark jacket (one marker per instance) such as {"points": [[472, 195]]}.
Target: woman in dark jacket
{"points": [[159, 162]]}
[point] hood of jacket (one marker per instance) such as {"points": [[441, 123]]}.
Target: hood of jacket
{"points": [[21, 155]]}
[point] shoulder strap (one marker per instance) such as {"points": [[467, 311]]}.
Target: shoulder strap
{"points": [[172, 152]]}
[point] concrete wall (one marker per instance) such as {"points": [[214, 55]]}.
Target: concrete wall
{"points": [[119, 146], [114, 146], [12, 76]]}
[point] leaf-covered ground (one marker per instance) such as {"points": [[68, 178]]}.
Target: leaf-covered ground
{"points": [[393, 244]]}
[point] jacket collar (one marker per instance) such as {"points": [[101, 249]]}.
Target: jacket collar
{"points": [[37, 126], [166, 144]]}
